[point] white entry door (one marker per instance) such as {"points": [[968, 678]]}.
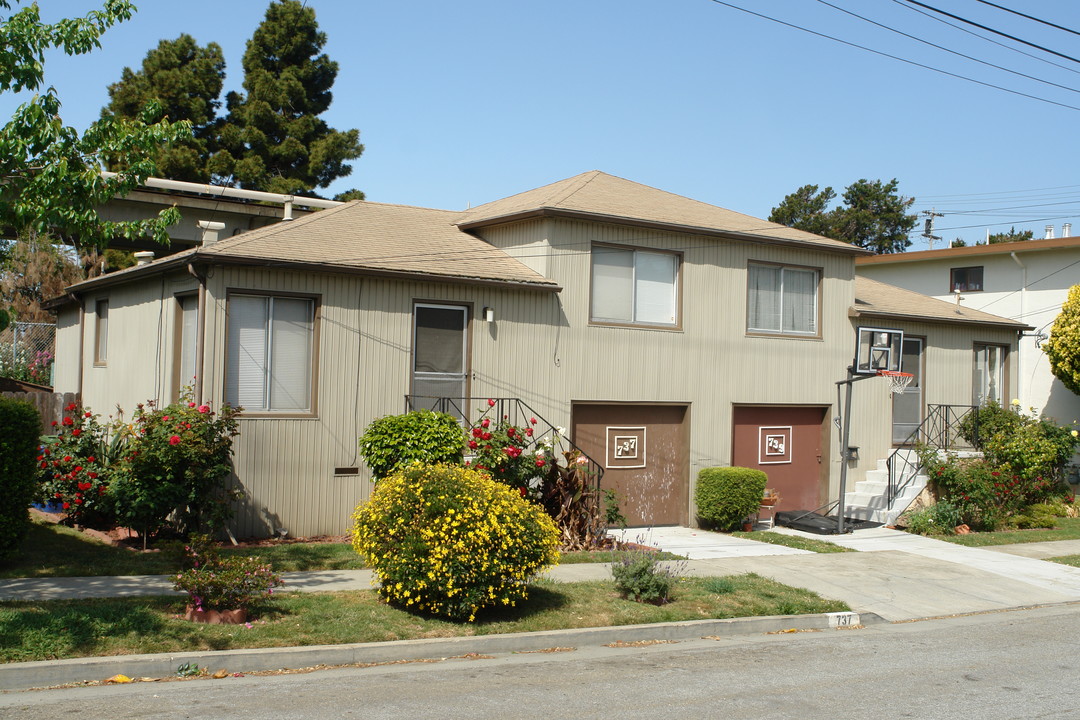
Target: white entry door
{"points": [[907, 407], [440, 347]]}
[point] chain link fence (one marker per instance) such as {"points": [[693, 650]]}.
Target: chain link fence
{"points": [[27, 351]]}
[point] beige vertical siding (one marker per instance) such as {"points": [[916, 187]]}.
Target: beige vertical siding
{"points": [[66, 364], [141, 343]]}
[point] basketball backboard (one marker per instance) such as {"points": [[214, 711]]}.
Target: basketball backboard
{"points": [[878, 349]]}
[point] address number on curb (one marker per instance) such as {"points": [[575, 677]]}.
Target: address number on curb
{"points": [[843, 619]]}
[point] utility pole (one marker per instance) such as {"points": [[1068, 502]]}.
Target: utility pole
{"points": [[928, 228]]}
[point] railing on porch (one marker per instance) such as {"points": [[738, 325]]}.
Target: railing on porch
{"points": [[940, 430], [515, 411]]}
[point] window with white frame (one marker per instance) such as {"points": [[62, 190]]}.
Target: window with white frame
{"points": [[270, 345], [635, 287], [988, 374], [782, 300], [101, 332]]}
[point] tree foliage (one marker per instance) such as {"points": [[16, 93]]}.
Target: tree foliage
{"points": [[186, 80], [1011, 236], [37, 270], [273, 138], [873, 215], [51, 172], [1063, 347]]}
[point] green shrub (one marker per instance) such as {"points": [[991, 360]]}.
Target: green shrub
{"points": [[941, 518], [986, 421], [176, 468], [450, 541], [640, 577], [726, 496], [18, 448], [1038, 516], [394, 442]]}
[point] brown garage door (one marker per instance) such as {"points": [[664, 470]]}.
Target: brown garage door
{"points": [[645, 452], [789, 443]]}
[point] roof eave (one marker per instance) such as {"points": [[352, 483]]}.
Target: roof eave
{"points": [[1006, 325], [72, 292], [386, 273], [656, 225]]}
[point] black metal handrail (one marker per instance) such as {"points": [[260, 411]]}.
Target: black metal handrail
{"points": [[941, 429], [516, 412]]}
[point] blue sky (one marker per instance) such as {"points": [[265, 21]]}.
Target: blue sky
{"points": [[462, 103]]}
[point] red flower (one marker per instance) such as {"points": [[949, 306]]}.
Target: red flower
{"points": [[67, 458], [486, 436], [68, 420], [67, 505], [70, 407], [528, 431], [174, 440], [539, 463], [77, 468], [76, 432], [78, 501], [510, 431], [472, 445], [85, 486], [92, 475], [90, 459], [87, 414], [486, 423], [58, 496], [191, 404], [477, 432], [513, 452], [54, 423], [522, 491], [491, 403], [532, 420], [204, 409], [166, 417]]}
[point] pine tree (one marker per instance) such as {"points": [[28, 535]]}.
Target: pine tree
{"points": [[273, 138], [186, 80]]}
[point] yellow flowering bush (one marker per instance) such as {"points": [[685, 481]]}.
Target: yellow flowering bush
{"points": [[450, 541]]}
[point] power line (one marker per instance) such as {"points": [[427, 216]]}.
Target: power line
{"points": [[904, 5], [945, 49], [1029, 17], [894, 57], [996, 32]]}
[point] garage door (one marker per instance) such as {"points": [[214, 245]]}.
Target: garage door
{"points": [[645, 452], [790, 444]]}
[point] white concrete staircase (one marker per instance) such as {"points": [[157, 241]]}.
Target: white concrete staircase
{"points": [[870, 499]]}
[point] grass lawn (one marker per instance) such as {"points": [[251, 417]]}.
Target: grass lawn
{"points": [[81, 628], [51, 550], [791, 541], [1073, 560], [1067, 529]]}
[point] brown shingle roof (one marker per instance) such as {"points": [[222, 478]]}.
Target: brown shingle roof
{"points": [[379, 238], [599, 196], [877, 298]]}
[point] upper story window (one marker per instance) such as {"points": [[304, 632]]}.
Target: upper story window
{"points": [[966, 279], [101, 332], [270, 353], [635, 287], [782, 300]]}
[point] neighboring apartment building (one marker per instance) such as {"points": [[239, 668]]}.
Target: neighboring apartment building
{"points": [[1026, 281], [691, 335]]}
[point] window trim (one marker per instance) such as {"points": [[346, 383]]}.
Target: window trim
{"points": [[101, 332], [1006, 365], [678, 288], [316, 322], [755, 332], [952, 279], [178, 341]]}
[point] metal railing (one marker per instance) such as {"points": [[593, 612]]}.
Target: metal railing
{"points": [[943, 428], [514, 411]]}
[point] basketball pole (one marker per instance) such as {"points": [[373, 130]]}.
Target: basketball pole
{"points": [[845, 448]]}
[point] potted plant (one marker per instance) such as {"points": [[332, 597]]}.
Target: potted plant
{"points": [[770, 498], [222, 590]]}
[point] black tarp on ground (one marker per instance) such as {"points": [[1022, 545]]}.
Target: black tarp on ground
{"points": [[819, 524]]}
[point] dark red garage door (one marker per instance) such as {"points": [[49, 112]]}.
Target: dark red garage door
{"points": [[790, 444]]}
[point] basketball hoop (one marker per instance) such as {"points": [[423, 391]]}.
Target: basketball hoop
{"points": [[898, 381]]}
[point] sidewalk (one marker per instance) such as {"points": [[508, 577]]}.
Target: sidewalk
{"points": [[894, 577]]}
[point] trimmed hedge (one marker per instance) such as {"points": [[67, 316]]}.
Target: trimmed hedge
{"points": [[18, 471], [726, 496], [393, 443]]}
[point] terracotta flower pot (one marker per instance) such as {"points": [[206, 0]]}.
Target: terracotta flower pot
{"points": [[770, 500], [217, 617]]}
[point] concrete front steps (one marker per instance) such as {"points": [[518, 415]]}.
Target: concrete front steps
{"points": [[869, 501]]}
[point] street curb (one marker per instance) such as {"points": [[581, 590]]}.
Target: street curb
{"points": [[28, 675]]}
